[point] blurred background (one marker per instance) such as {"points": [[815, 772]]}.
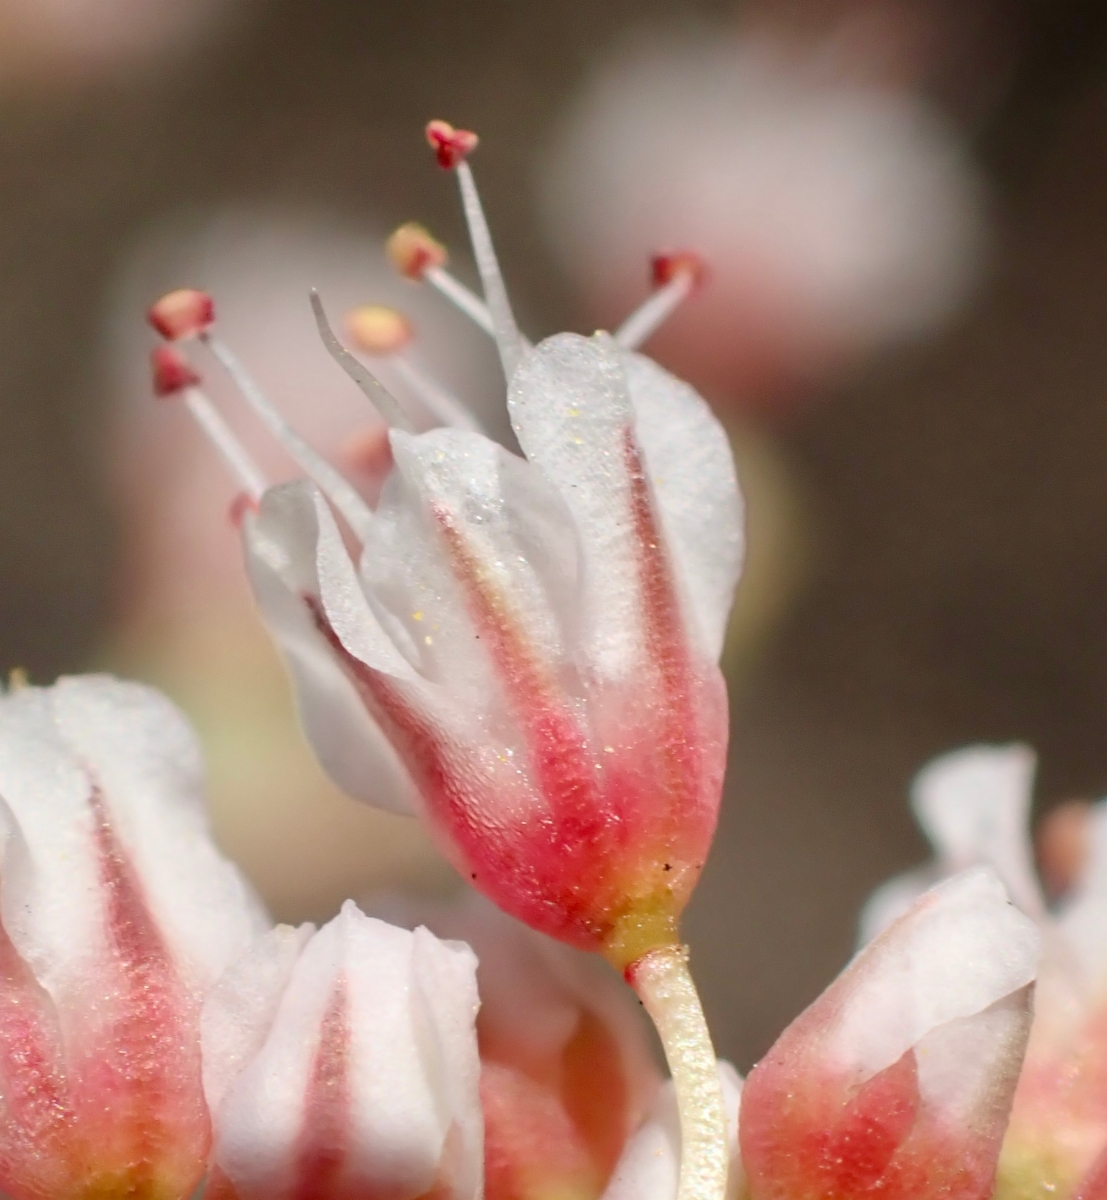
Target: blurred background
{"points": [[904, 206]]}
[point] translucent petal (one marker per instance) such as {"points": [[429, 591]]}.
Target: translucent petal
{"points": [[1083, 918], [284, 544], [691, 467], [974, 806]]}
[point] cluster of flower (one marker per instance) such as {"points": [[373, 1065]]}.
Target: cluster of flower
{"points": [[526, 657]]}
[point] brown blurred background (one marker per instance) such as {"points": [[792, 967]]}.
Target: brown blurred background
{"points": [[953, 493]]}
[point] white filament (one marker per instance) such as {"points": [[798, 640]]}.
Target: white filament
{"points": [[654, 312], [440, 403], [461, 297], [504, 329], [334, 486], [245, 471], [371, 387]]}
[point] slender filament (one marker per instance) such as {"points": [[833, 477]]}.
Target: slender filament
{"points": [[461, 297], [654, 312], [504, 329], [334, 486], [664, 985], [372, 388], [238, 459], [441, 404]]}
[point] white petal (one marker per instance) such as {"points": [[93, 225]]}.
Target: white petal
{"points": [[284, 545], [892, 899], [404, 1122], [691, 467], [95, 737], [650, 1163], [974, 806], [571, 410], [961, 949], [239, 1011]]}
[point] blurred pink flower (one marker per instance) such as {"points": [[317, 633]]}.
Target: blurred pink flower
{"points": [[836, 212]]}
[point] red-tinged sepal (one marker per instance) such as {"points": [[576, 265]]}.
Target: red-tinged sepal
{"points": [[897, 1082], [117, 916], [185, 313], [344, 1064], [451, 146]]}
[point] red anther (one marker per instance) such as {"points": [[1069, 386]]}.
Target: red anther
{"points": [[412, 251], [242, 504], [172, 371], [368, 453], [450, 145], [665, 267], [181, 314]]}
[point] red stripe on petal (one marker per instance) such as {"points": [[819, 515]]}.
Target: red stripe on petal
{"points": [[325, 1134], [666, 640], [139, 1086]]}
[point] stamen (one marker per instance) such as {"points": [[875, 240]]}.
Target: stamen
{"points": [[461, 298], [185, 313], [341, 494], [675, 276], [377, 330], [372, 388], [174, 376], [418, 256], [452, 146]]}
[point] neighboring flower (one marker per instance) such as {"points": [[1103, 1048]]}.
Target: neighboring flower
{"points": [[342, 1065], [566, 1072], [897, 1082], [974, 805], [837, 211], [117, 915]]}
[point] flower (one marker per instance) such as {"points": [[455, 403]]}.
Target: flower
{"points": [[974, 805], [117, 915], [566, 1073], [898, 1080], [343, 1064]]}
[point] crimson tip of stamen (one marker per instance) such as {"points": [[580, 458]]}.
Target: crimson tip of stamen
{"points": [[451, 146], [413, 252], [242, 504], [172, 371], [185, 313], [368, 452], [665, 267], [378, 330]]}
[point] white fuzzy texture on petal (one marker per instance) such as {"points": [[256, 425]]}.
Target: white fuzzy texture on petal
{"points": [[892, 899], [571, 410], [650, 1163], [691, 467], [239, 1011], [962, 948], [974, 806], [284, 546], [127, 745], [408, 1075]]}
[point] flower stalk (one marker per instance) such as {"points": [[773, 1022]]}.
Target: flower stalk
{"points": [[664, 984]]}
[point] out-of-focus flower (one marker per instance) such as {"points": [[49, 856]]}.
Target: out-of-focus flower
{"points": [[67, 39], [117, 915], [342, 1065], [897, 1082], [836, 211], [566, 1073], [974, 805]]}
